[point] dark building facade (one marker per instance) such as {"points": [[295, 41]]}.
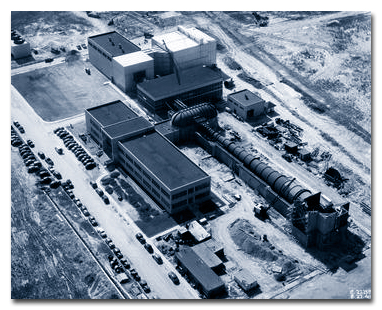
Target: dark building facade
{"points": [[192, 86]]}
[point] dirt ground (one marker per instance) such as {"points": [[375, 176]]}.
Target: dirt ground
{"points": [[48, 259]]}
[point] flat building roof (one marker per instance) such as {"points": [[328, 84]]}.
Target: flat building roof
{"points": [[133, 58], [246, 98], [114, 43], [127, 127], [111, 113], [175, 41], [200, 271], [164, 160], [190, 79]]}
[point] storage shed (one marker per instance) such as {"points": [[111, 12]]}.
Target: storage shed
{"points": [[246, 104], [205, 279], [245, 279]]}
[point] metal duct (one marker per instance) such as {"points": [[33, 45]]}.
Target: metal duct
{"points": [[282, 185]]}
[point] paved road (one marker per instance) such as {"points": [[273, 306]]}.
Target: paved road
{"points": [[121, 230]]}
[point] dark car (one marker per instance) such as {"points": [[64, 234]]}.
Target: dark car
{"points": [[59, 151], [49, 161], [99, 192], [55, 184], [57, 175], [93, 221], [41, 155], [106, 200], [173, 277], [125, 263], [93, 184], [22, 130], [158, 259], [85, 212], [30, 143], [149, 248], [90, 166], [46, 180], [140, 238]]}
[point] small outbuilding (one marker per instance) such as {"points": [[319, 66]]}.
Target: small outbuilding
{"points": [[245, 279], [304, 154], [246, 104], [291, 147]]}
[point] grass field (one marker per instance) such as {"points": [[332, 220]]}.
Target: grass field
{"points": [[64, 90]]}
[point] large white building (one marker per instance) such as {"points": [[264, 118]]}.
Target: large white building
{"points": [[126, 65], [189, 47]]}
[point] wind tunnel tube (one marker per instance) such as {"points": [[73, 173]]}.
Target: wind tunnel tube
{"points": [[288, 189]]}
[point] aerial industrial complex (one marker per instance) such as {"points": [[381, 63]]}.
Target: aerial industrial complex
{"points": [[181, 184]]}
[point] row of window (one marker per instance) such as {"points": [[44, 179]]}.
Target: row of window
{"points": [[179, 204], [202, 195], [201, 186], [147, 180], [99, 50], [95, 133]]}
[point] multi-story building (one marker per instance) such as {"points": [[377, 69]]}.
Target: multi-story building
{"points": [[120, 60], [155, 163], [161, 169], [192, 86]]}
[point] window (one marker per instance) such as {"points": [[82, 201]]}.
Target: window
{"points": [[202, 195], [165, 193], [190, 190], [155, 192], [146, 175], [201, 186], [127, 157], [155, 184], [147, 184], [179, 204], [178, 195], [137, 166]]}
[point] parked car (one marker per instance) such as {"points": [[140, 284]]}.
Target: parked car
{"points": [[140, 238], [99, 192], [55, 184], [173, 277], [49, 161], [105, 200], [93, 184], [158, 259], [93, 221], [85, 212], [41, 155], [59, 151], [125, 263], [149, 248], [30, 143], [57, 175]]}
